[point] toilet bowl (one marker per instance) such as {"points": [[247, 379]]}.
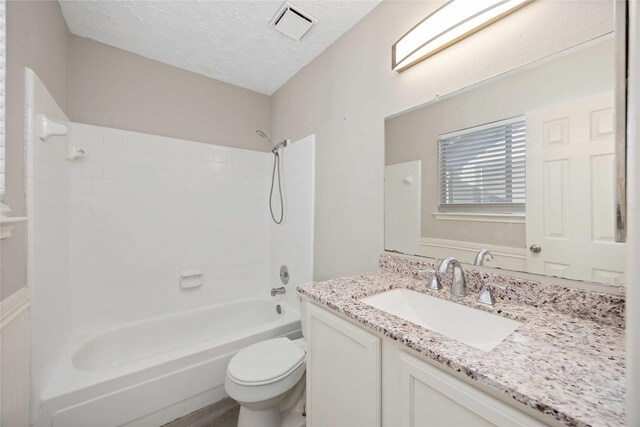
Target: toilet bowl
{"points": [[267, 380]]}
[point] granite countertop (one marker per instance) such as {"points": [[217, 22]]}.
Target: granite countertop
{"points": [[567, 367]]}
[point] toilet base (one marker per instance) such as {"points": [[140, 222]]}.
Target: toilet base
{"points": [[265, 417], [281, 411]]}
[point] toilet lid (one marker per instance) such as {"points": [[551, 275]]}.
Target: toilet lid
{"points": [[265, 361]]}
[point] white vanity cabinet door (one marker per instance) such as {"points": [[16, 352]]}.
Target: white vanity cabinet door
{"points": [[430, 397], [343, 372]]}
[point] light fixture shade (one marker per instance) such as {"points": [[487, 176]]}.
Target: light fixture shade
{"points": [[449, 24]]}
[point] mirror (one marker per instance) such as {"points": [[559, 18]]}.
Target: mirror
{"points": [[521, 165]]}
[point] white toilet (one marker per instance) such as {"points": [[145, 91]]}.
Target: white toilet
{"points": [[267, 379]]}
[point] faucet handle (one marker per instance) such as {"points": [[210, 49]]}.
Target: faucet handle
{"points": [[434, 283], [485, 296]]}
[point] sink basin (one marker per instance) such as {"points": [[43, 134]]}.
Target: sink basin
{"points": [[473, 327]]}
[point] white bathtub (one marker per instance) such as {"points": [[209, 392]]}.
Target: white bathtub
{"points": [[150, 372]]}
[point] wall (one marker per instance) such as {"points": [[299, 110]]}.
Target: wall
{"points": [[291, 243], [344, 95], [48, 239], [414, 135], [114, 88], [37, 37], [146, 208], [633, 219]]}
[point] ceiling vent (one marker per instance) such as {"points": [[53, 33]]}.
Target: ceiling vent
{"points": [[292, 21]]}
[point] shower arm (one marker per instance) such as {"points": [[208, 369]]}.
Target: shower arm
{"points": [[279, 145]]}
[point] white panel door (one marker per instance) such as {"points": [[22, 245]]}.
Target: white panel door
{"points": [[429, 397], [343, 372], [402, 195], [570, 191]]}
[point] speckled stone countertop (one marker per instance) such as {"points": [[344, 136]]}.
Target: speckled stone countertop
{"points": [[567, 367]]}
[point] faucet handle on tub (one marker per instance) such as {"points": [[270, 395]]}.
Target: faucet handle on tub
{"points": [[434, 283], [485, 296]]}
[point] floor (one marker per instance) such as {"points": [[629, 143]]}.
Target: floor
{"points": [[219, 414]]}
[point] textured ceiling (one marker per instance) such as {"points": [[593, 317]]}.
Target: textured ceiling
{"points": [[226, 40]]}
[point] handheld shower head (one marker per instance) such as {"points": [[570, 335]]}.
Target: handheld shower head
{"points": [[261, 134], [276, 168], [276, 147]]}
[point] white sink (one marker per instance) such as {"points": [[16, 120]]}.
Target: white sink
{"points": [[473, 327]]}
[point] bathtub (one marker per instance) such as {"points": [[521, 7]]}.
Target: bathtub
{"points": [[153, 371]]}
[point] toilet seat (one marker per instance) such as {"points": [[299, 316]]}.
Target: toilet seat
{"points": [[265, 362]]}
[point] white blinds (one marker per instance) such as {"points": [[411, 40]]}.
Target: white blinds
{"points": [[484, 165]]}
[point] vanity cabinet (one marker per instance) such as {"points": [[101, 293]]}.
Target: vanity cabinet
{"points": [[343, 372], [356, 378], [429, 397]]}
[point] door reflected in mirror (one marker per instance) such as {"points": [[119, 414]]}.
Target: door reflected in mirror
{"points": [[521, 166]]}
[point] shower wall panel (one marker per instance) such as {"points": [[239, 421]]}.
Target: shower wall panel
{"points": [[146, 209]]}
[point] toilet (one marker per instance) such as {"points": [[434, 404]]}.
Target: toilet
{"points": [[267, 379]]}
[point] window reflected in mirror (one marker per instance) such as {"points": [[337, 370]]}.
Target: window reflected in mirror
{"points": [[482, 169]]}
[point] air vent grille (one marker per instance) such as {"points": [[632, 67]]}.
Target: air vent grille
{"points": [[293, 22]]}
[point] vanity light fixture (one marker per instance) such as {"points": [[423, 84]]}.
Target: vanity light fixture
{"points": [[449, 24]]}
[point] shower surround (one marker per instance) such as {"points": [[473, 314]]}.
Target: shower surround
{"points": [[147, 208], [49, 227], [110, 234]]}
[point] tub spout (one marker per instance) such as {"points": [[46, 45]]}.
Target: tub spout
{"points": [[278, 291]]}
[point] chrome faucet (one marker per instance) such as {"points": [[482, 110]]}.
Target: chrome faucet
{"points": [[485, 296], [458, 282], [482, 256], [278, 291]]}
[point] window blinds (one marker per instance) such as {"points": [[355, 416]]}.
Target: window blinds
{"points": [[484, 166]]}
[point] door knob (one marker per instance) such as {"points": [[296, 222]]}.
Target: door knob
{"points": [[535, 249]]}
